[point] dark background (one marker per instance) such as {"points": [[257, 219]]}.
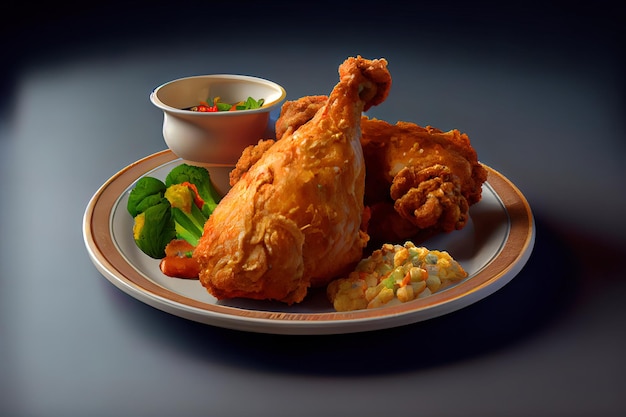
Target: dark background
{"points": [[34, 31], [539, 87]]}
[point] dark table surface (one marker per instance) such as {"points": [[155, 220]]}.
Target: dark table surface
{"points": [[540, 92]]}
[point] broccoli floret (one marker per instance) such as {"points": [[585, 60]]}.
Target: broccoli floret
{"points": [[176, 208], [154, 228], [153, 225], [148, 191], [201, 179], [189, 219]]}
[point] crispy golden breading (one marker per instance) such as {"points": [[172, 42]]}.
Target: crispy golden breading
{"points": [[294, 114], [420, 181], [293, 219], [248, 157], [430, 177]]}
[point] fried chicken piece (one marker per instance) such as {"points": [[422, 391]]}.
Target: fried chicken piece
{"points": [[433, 177], [248, 157], [430, 177], [293, 219], [294, 114], [420, 180]]}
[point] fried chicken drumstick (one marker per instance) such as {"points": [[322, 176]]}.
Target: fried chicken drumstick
{"points": [[420, 181], [293, 218]]}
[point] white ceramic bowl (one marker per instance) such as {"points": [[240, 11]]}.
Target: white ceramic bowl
{"points": [[214, 137]]}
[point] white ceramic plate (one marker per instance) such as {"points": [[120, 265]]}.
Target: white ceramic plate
{"points": [[492, 248]]}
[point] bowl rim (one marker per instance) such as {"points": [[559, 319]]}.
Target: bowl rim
{"points": [[265, 108]]}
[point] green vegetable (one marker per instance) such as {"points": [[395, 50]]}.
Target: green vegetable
{"points": [[176, 208], [154, 228], [389, 282], [148, 191], [188, 218], [199, 177], [223, 106], [216, 105], [250, 104]]}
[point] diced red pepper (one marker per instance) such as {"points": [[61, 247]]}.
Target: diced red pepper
{"points": [[206, 108]]}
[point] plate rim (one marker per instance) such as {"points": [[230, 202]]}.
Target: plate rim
{"points": [[105, 256]]}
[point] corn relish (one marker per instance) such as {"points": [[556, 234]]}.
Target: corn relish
{"points": [[392, 274]]}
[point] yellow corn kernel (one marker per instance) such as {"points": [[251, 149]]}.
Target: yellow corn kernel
{"points": [[384, 296], [418, 287], [417, 274], [400, 257], [444, 263], [405, 293], [347, 294], [372, 292]]}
